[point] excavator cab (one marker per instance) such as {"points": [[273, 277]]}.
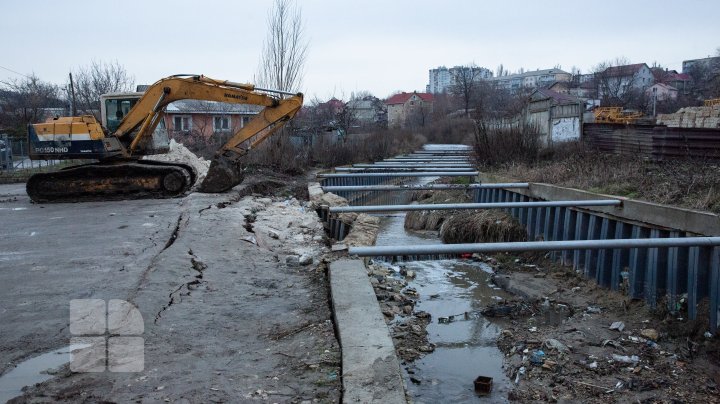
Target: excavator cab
{"points": [[113, 109]]}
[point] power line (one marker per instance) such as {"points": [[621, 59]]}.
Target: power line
{"points": [[13, 71]]}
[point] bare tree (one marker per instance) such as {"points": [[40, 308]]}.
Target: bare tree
{"points": [[615, 87], [465, 85], [26, 101], [97, 79], [285, 48]]}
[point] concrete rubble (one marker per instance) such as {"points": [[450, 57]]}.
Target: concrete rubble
{"points": [[178, 153]]}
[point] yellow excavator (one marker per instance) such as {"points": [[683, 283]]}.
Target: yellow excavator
{"points": [[132, 123]]}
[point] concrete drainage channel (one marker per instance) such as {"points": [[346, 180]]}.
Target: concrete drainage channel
{"points": [[662, 253]]}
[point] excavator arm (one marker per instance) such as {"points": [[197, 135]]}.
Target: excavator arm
{"points": [[224, 171]]}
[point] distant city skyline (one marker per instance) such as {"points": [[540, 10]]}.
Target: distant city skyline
{"points": [[380, 47]]}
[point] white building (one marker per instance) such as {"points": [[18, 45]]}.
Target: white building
{"points": [[442, 77], [530, 80]]}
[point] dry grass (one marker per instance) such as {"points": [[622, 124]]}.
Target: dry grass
{"points": [[426, 219], [463, 226], [487, 226], [693, 184], [432, 219]]}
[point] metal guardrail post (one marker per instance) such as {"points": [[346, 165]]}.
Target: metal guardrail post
{"points": [[656, 270], [581, 229], [714, 290], [568, 234], [591, 255], [698, 271], [604, 259], [677, 272], [638, 263], [620, 257]]}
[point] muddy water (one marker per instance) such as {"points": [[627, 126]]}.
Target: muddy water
{"points": [[34, 370], [465, 346]]}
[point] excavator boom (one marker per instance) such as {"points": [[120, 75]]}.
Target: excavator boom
{"points": [[121, 174]]}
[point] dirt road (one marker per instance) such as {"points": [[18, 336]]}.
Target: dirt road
{"points": [[229, 312]]}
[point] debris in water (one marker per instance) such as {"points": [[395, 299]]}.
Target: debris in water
{"points": [[483, 384]]}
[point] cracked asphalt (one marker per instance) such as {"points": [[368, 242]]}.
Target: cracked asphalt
{"points": [[226, 319]]}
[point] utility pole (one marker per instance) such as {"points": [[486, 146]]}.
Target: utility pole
{"points": [[73, 104], [654, 100]]}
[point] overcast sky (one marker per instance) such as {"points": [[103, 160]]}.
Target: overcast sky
{"points": [[381, 46]]}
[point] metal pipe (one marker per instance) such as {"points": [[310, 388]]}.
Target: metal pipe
{"points": [[452, 206], [535, 246], [412, 165], [418, 161], [408, 174], [402, 168], [423, 187]]}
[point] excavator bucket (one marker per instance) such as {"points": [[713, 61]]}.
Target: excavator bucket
{"points": [[224, 173]]}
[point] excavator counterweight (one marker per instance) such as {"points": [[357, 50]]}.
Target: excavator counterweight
{"points": [[120, 144]]}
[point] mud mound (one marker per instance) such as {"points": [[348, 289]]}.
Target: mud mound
{"points": [[425, 219], [486, 226], [180, 154]]}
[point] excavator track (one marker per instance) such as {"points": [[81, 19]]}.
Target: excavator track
{"points": [[123, 179]]}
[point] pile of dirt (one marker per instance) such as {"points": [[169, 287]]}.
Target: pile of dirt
{"points": [[463, 226], [485, 226], [433, 219], [178, 153], [364, 231]]}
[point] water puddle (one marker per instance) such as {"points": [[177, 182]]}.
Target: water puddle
{"points": [[453, 292], [34, 370]]}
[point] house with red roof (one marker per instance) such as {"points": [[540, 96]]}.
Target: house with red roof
{"points": [[409, 110]]}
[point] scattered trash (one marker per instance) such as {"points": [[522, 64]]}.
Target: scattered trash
{"points": [[552, 343], [612, 343], [305, 259], [618, 325], [626, 359], [483, 384], [650, 333], [537, 357], [708, 335], [497, 311], [520, 372], [250, 239], [549, 365], [593, 365], [532, 329], [593, 310]]}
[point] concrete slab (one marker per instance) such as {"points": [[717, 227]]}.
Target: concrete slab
{"points": [[371, 370]]}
